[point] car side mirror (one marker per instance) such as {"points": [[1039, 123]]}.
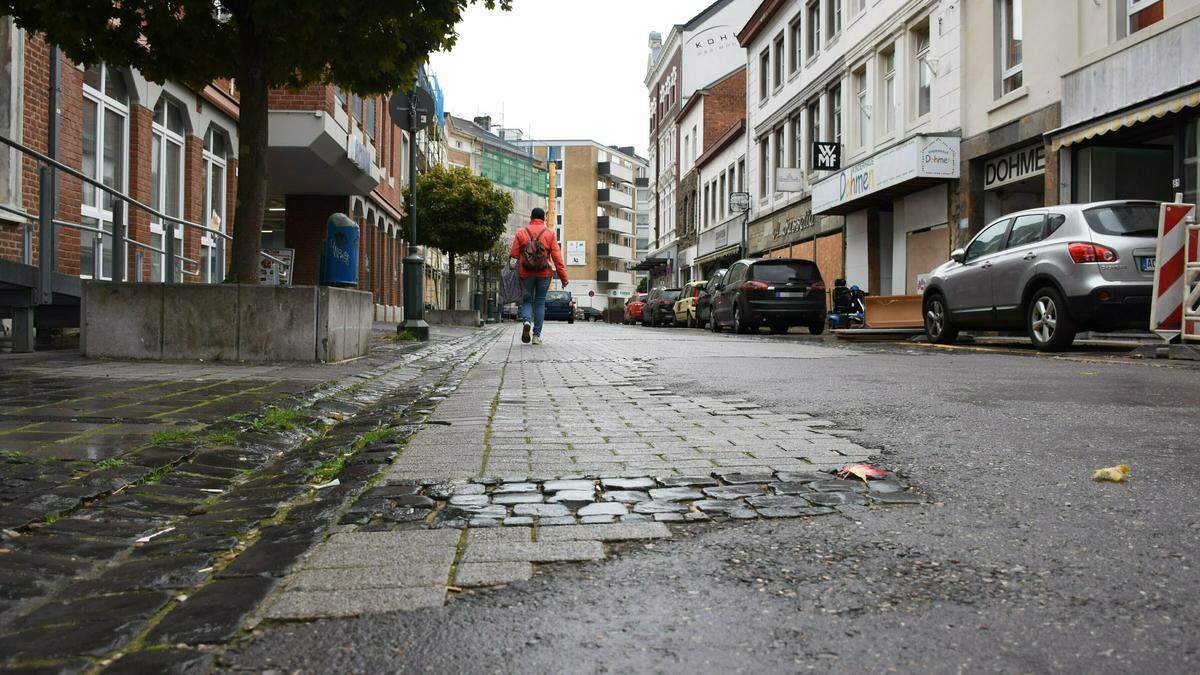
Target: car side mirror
{"points": [[958, 255]]}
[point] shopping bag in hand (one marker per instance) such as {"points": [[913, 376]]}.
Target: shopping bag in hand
{"points": [[511, 289]]}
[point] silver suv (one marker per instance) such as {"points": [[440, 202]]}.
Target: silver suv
{"points": [[1052, 271]]}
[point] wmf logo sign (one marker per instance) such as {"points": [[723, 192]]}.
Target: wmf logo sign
{"points": [[827, 156]]}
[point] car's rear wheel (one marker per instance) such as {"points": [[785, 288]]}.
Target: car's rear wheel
{"points": [[739, 326], [1051, 328], [938, 327]]}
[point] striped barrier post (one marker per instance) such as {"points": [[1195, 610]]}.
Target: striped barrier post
{"points": [[1166, 309], [1191, 282]]}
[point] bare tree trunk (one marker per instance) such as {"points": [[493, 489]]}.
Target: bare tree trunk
{"points": [[451, 301], [252, 157]]}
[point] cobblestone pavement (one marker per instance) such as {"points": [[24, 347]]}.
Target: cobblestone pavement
{"points": [[543, 454], [168, 545]]}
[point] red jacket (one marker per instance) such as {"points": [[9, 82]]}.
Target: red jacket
{"points": [[539, 230]]}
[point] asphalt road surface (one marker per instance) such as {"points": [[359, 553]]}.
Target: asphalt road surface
{"points": [[1019, 562]]}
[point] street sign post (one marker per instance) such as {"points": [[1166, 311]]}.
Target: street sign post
{"points": [[411, 111]]}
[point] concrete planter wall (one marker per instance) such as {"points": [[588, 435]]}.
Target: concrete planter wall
{"points": [[224, 322], [453, 317]]}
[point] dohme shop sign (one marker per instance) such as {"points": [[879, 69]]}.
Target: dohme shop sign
{"points": [[1015, 166]]}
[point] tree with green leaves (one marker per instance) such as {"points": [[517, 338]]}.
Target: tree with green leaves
{"points": [[459, 213], [365, 46]]}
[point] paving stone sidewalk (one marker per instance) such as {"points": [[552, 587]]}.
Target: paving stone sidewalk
{"points": [[545, 454]]}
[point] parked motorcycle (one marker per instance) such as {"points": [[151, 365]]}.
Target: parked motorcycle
{"points": [[849, 310]]}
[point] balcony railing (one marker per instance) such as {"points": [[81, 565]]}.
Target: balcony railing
{"points": [[615, 171], [610, 197], [613, 277], [614, 251], [614, 224]]}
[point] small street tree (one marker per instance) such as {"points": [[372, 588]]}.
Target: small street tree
{"points": [[459, 213], [366, 46]]}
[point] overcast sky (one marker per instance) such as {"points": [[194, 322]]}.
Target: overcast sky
{"points": [[560, 68]]}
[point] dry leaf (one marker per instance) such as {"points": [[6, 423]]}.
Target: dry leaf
{"points": [[863, 471], [1111, 474]]}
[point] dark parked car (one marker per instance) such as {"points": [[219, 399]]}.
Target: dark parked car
{"points": [[560, 306], [591, 314], [660, 307], [778, 293], [704, 302]]}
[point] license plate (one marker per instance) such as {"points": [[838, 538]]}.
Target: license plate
{"points": [[1147, 264], [792, 294]]}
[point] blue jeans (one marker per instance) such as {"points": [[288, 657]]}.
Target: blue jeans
{"points": [[533, 308]]}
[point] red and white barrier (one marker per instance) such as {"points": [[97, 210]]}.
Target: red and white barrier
{"points": [[1166, 310], [1191, 282]]}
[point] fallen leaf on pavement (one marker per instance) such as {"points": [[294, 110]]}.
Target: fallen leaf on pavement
{"points": [[863, 471], [1111, 474]]}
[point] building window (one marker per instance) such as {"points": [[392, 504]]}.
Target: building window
{"points": [[813, 16], [722, 204], [741, 174], [888, 59], [764, 67], [797, 125], [212, 247], [695, 143], [863, 132], [764, 166], [780, 152], [369, 117], [356, 107], [1143, 13], [1191, 163], [924, 92], [686, 141], [339, 95], [858, 6], [12, 81], [796, 35], [166, 180], [814, 125], [105, 149], [835, 114], [777, 71], [834, 19], [1010, 22], [732, 182]]}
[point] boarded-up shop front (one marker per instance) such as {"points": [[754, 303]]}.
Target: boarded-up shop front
{"points": [[794, 232]]}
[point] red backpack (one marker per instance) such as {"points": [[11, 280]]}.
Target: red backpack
{"points": [[534, 256]]}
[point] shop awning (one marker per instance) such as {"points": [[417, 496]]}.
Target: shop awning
{"points": [[1060, 138], [726, 252], [651, 264]]}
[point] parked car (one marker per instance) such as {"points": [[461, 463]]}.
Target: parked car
{"points": [[510, 311], [591, 314], [633, 308], [560, 306], [704, 302], [778, 293], [660, 307], [685, 306], [1051, 271]]}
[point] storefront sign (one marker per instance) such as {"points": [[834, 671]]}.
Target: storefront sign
{"points": [[717, 238], [739, 202], [789, 180], [1015, 166], [827, 156], [919, 157], [788, 226]]}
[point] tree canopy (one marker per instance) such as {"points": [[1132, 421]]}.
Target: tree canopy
{"points": [[458, 211], [370, 47]]}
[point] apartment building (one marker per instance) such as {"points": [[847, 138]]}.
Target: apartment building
{"points": [[721, 172], [696, 54], [165, 145], [878, 83], [595, 211]]}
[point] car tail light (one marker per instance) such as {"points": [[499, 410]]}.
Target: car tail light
{"points": [[754, 286], [817, 286], [695, 292], [664, 303], [1091, 253]]}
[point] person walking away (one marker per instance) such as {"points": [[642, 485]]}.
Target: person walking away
{"points": [[534, 248]]}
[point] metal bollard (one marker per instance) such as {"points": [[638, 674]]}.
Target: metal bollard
{"points": [[169, 247], [118, 242]]}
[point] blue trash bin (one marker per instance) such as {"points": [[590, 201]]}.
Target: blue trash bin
{"points": [[339, 256]]}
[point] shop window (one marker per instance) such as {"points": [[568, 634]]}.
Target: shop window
{"points": [[1143, 13], [796, 54], [105, 155], [924, 71], [812, 16], [777, 66], [1010, 21], [11, 86]]}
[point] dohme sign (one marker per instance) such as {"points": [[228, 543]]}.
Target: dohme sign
{"points": [[1015, 166]]}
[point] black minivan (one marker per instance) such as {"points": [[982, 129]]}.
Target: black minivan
{"points": [[775, 292], [660, 307]]}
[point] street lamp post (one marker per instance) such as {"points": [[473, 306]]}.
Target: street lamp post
{"points": [[414, 265]]}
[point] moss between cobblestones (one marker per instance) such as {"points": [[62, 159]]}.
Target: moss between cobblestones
{"points": [[167, 436], [276, 419]]}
